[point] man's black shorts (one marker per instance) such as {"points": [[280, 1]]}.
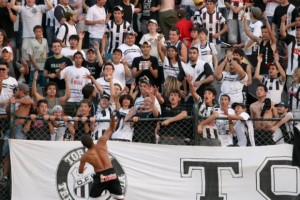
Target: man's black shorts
{"points": [[106, 180]]}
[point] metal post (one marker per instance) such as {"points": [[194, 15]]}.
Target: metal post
{"points": [[12, 121], [195, 122]]}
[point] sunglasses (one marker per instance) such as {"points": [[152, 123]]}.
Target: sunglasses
{"points": [[2, 69]]}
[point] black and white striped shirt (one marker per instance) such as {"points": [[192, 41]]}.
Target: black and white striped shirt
{"points": [[116, 33], [275, 87], [213, 23]]}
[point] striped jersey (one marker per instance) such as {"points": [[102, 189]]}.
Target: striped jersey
{"points": [[275, 87], [213, 23], [116, 34], [293, 54]]}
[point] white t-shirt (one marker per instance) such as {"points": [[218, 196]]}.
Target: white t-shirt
{"points": [[31, 16], [96, 13], [233, 86], [223, 128], [129, 53], [119, 73], [76, 80], [8, 86], [69, 52], [240, 130], [62, 32], [270, 8], [105, 84], [39, 51], [152, 40], [140, 101], [171, 70], [207, 52]]}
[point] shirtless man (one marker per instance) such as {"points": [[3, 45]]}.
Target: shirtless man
{"points": [[22, 103], [97, 155], [167, 16], [263, 109]]}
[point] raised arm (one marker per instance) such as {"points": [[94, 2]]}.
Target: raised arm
{"points": [[269, 28], [63, 100], [109, 131], [279, 67], [97, 85], [159, 49], [49, 5], [248, 32], [34, 92], [14, 6], [257, 70], [282, 26]]}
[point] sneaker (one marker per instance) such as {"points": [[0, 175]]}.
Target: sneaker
{"points": [[4, 182]]}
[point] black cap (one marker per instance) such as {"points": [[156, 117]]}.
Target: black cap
{"points": [[144, 79], [238, 104], [105, 95], [281, 104]]}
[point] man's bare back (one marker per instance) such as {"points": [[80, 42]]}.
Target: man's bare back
{"points": [[97, 154], [167, 5], [105, 177]]}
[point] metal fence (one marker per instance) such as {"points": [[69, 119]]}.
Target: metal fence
{"points": [[146, 130]]}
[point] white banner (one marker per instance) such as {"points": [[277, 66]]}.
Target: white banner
{"points": [[49, 171]]}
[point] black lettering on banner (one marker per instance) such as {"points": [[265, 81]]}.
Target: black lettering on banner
{"points": [[211, 169], [269, 177]]}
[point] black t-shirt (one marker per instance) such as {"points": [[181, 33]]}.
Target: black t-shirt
{"points": [[6, 23], [52, 64], [139, 61], [168, 111], [279, 12], [94, 69], [128, 14], [146, 5], [39, 130]]}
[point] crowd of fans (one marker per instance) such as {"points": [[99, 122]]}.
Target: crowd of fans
{"points": [[150, 59]]}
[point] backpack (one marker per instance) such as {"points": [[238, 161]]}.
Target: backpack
{"points": [[64, 40]]}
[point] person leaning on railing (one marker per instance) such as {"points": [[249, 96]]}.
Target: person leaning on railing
{"points": [[263, 108]]}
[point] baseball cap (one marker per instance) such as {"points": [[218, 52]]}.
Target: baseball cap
{"points": [[7, 48], [256, 12], [118, 8], [144, 79], [281, 104], [91, 49], [147, 43], [129, 33], [24, 87], [57, 108], [105, 95], [238, 104], [152, 21]]}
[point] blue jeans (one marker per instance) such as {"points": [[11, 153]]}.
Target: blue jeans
{"points": [[50, 35], [42, 81], [19, 134]]}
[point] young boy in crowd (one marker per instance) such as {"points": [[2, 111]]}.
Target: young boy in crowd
{"points": [[38, 53], [242, 128], [61, 126]]}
